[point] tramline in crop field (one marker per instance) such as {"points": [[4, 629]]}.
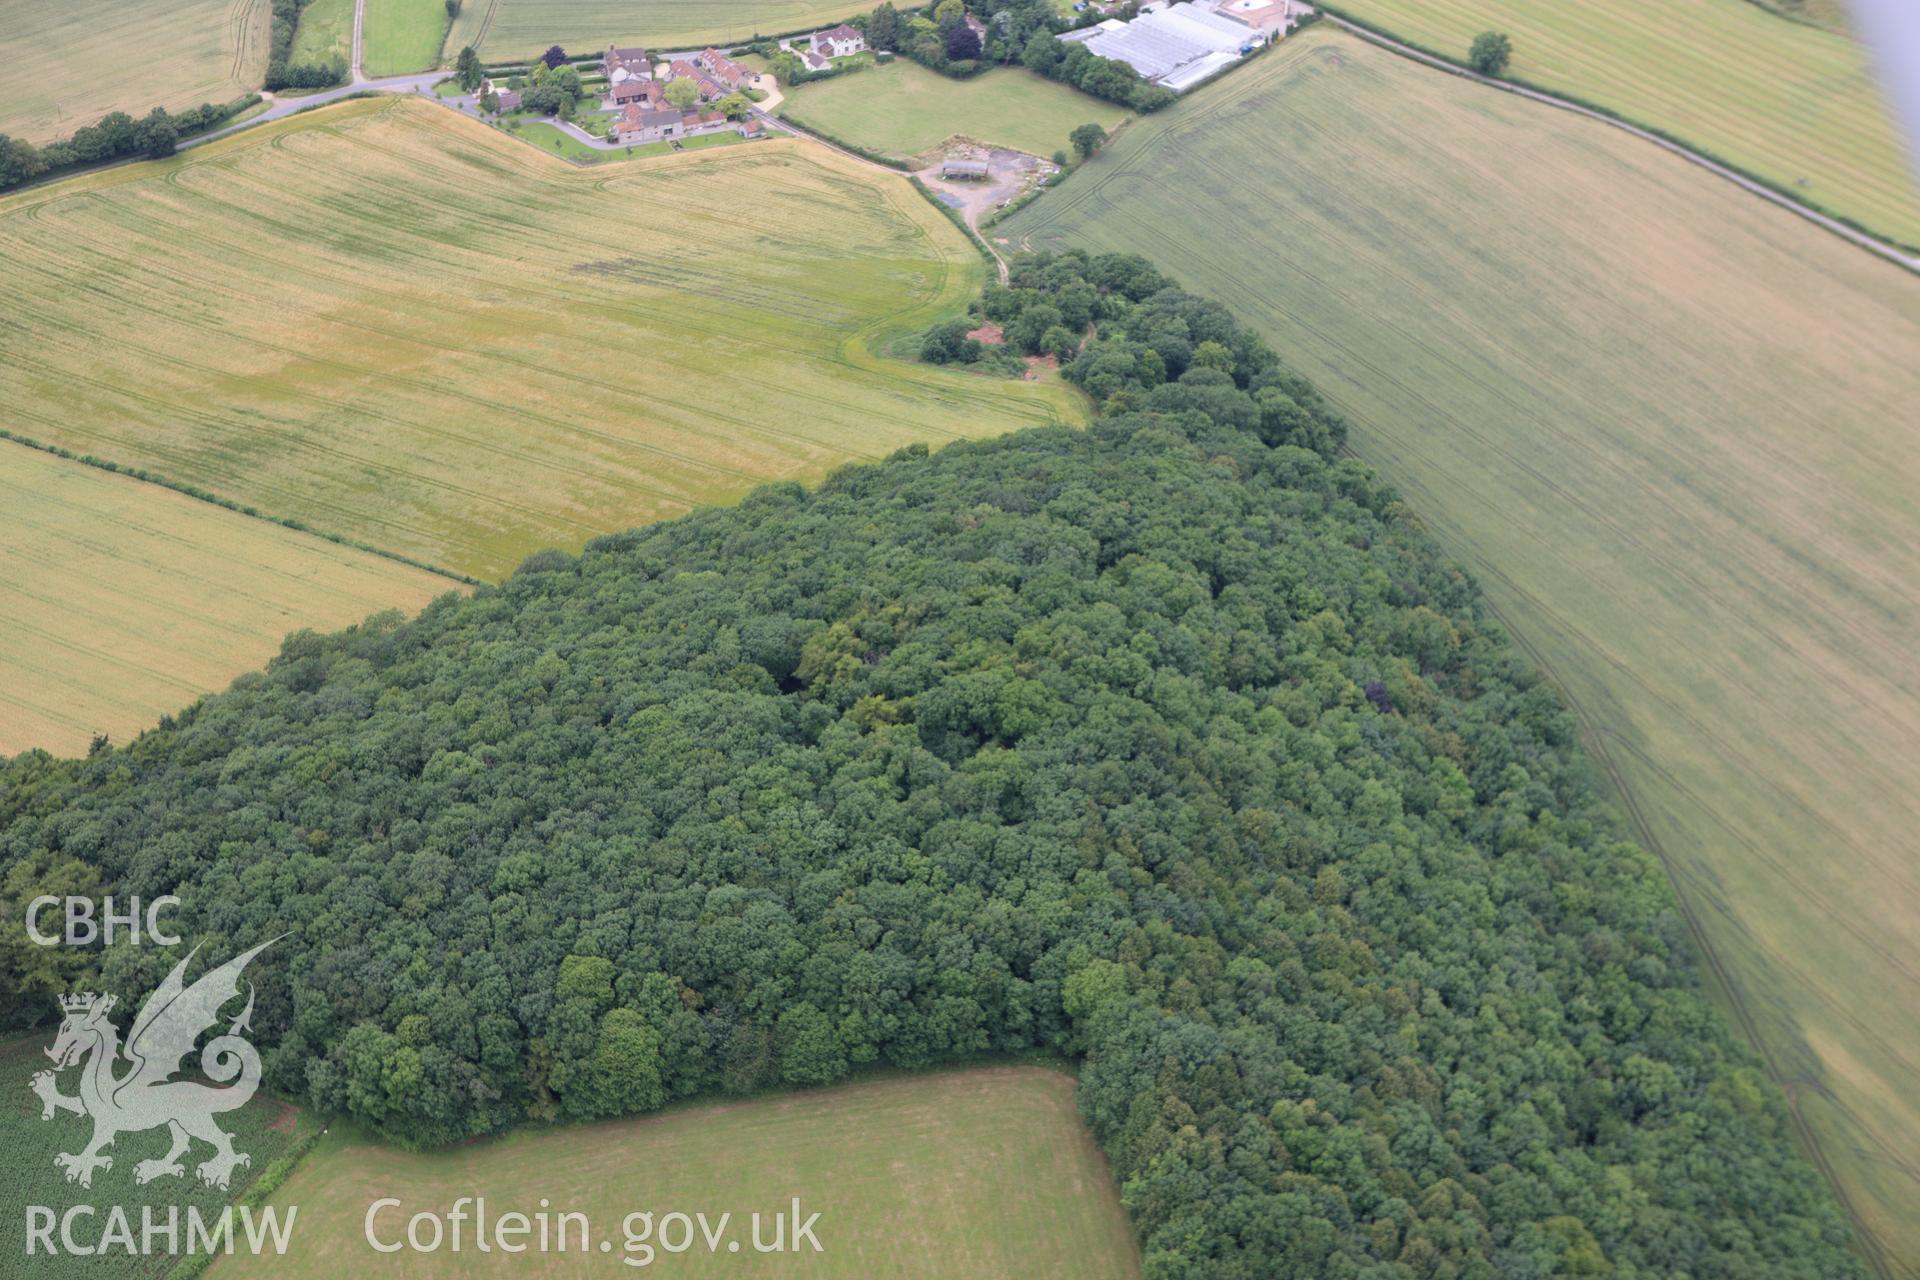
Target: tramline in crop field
{"points": [[1670, 425], [394, 324]]}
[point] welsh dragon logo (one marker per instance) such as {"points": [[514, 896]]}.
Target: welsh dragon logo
{"points": [[145, 1096]]}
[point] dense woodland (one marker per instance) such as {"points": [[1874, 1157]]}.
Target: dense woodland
{"points": [[1172, 745]]}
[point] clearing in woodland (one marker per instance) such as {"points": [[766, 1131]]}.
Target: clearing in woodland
{"points": [[1671, 427]]}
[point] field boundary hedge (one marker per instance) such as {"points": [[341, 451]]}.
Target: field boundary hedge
{"points": [[1574, 102], [252, 1198], [201, 495], [854, 148], [953, 215]]}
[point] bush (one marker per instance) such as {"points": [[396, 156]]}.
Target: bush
{"points": [[948, 343]]}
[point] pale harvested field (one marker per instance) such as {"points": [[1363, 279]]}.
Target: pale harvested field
{"points": [[396, 324], [69, 62], [502, 29], [121, 601], [1673, 430], [1786, 100], [969, 1175]]}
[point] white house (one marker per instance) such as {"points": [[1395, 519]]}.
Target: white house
{"points": [[839, 42]]}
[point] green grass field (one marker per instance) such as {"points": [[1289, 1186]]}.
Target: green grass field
{"points": [[70, 63], [263, 1129], [397, 324], [1671, 428], [977, 1174], [1782, 99], [121, 601], [503, 29], [326, 31], [402, 36], [904, 109]]}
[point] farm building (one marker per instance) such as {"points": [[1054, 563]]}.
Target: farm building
{"points": [[685, 69], [637, 125], [633, 90], [1175, 46], [961, 167], [729, 74]]}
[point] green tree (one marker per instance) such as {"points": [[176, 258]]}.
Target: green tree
{"points": [[467, 69], [883, 27], [683, 93], [625, 1074], [1491, 52], [948, 343], [20, 161], [810, 1053], [1087, 139], [735, 106]]}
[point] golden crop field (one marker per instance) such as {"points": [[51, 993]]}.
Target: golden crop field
{"points": [[394, 323], [1782, 99], [1671, 427], [121, 601], [983, 1174], [69, 63], [503, 29]]}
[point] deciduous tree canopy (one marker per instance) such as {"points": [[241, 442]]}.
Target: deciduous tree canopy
{"points": [[1172, 744]]}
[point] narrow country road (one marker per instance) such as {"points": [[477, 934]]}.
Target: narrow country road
{"points": [[422, 82], [1841, 229]]}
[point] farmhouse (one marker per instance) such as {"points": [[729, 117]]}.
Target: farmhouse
{"points": [[622, 64], [838, 42], [509, 101], [1176, 46], [729, 74]]}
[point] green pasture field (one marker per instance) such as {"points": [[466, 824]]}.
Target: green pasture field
{"points": [[69, 63], [121, 601], [402, 36], [505, 29], [978, 1174], [905, 110], [264, 1129], [397, 324], [1671, 428], [325, 31], [1783, 99]]}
